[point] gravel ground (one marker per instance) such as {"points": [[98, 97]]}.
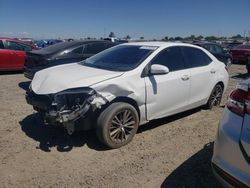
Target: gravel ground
{"points": [[170, 152]]}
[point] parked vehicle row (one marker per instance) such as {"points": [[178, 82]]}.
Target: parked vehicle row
{"points": [[128, 85], [12, 54], [62, 53]]}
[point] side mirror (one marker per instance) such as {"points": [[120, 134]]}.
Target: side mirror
{"points": [[157, 69]]}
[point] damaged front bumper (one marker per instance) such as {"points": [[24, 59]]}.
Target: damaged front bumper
{"points": [[72, 108]]}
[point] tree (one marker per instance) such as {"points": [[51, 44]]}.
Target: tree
{"points": [[210, 38], [127, 37], [166, 38], [142, 38], [199, 37], [171, 39], [178, 38], [111, 34], [237, 36]]}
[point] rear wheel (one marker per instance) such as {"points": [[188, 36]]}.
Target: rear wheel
{"points": [[117, 124], [215, 97]]}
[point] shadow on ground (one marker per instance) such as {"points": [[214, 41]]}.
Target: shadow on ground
{"points": [[50, 136], [240, 76], [194, 173], [24, 85], [10, 72], [158, 122]]}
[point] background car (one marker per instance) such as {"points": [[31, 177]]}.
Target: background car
{"points": [[240, 54], [46, 43], [128, 85], [63, 53], [12, 54], [232, 45], [215, 49], [231, 157]]}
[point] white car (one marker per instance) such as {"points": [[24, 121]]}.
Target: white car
{"points": [[231, 158], [126, 86]]}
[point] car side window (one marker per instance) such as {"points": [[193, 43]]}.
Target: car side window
{"points": [[94, 48], [78, 50], [12, 45], [170, 57], [195, 57], [1, 44], [218, 49], [26, 47]]}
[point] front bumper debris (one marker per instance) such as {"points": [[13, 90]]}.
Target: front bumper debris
{"points": [[72, 109]]}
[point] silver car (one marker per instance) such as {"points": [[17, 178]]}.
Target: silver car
{"points": [[231, 158]]}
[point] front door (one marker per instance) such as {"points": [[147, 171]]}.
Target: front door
{"points": [[169, 93]]}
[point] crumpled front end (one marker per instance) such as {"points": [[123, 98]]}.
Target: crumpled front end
{"points": [[72, 108]]}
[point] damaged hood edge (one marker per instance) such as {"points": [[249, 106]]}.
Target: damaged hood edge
{"points": [[59, 78]]}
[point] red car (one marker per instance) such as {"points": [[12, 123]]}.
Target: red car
{"points": [[12, 54], [241, 54]]}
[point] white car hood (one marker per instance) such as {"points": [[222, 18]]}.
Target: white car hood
{"points": [[59, 78]]}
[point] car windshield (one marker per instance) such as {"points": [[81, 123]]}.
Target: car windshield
{"points": [[120, 58]]}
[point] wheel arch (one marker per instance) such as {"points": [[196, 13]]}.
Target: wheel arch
{"points": [[128, 100], [221, 84]]}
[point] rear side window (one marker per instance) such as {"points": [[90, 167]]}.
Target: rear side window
{"points": [[195, 57], [213, 48], [94, 48], [1, 45], [78, 50], [17, 46], [170, 57]]}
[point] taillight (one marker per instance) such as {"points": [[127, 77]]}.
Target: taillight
{"points": [[239, 100]]}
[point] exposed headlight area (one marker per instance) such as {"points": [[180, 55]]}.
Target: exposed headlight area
{"points": [[65, 107]]}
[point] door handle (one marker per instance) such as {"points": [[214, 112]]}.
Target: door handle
{"points": [[213, 71], [185, 77]]}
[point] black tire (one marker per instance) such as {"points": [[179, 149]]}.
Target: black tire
{"points": [[117, 124], [215, 97]]}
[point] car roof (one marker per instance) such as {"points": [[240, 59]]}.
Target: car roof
{"points": [[58, 47], [159, 44], [17, 40]]}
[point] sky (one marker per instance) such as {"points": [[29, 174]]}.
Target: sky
{"points": [[151, 19]]}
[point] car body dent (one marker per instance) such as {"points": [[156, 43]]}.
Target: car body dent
{"points": [[59, 78]]}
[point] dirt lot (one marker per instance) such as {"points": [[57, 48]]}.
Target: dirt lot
{"points": [[171, 152]]}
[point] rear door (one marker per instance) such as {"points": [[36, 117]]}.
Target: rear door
{"points": [[202, 75], [17, 51], [5, 57], [168, 94]]}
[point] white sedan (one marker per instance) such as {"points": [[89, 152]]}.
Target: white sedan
{"points": [[126, 86]]}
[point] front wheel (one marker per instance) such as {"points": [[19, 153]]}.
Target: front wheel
{"points": [[215, 97], [117, 124]]}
